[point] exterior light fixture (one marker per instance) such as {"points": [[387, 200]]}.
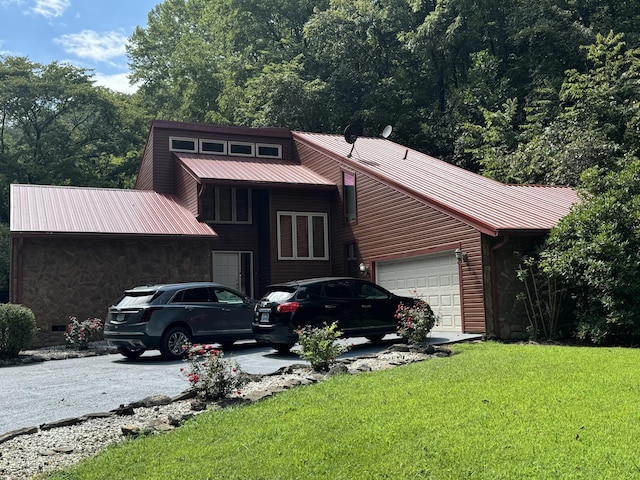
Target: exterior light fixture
{"points": [[364, 269], [461, 256]]}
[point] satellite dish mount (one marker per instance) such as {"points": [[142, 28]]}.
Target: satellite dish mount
{"points": [[351, 134]]}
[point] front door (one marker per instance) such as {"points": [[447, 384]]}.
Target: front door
{"points": [[234, 269]]}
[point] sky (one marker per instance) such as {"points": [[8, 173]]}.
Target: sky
{"points": [[89, 34]]}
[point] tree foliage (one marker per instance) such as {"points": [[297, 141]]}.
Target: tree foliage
{"points": [[595, 250]]}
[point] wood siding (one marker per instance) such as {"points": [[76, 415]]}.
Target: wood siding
{"points": [[158, 174], [186, 189], [390, 225], [297, 200]]}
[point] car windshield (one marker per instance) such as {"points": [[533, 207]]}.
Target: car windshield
{"points": [[133, 299], [278, 296]]}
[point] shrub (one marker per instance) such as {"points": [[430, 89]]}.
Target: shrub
{"points": [[319, 345], [211, 376], [415, 322], [78, 334], [17, 328]]}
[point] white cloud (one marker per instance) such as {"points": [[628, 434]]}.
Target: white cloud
{"points": [[118, 82], [51, 8], [93, 45]]}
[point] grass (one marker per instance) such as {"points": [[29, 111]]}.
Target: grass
{"points": [[491, 411]]}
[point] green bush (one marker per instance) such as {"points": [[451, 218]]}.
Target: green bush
{"points": [[17, 328], [319, 345]]}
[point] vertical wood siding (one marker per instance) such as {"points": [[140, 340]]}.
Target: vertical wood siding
{"points": [[186, 189], [390, 224], [298, 200]]}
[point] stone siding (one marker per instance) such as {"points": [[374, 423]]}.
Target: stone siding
{"points": [[83, 277]]}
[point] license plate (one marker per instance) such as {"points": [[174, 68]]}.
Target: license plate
{"points": [[264, 317]]}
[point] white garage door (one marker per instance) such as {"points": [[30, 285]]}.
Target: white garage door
{"points": [[431, 277]]}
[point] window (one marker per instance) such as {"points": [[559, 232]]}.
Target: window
{"points": [[227, 205], [268, 150], [213, 146], [352, 252], [241, 149], [303, 236], [225, 296], [349, 192], [179, 144]]}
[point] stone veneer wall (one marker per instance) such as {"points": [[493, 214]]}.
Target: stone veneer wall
{"points": [[82, 277]]}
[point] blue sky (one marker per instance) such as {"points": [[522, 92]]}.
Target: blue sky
{"points": [[89, 34]]}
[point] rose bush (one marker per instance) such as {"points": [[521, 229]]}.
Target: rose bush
{"points": [[415, 322], [210, 375], [79, 333]]}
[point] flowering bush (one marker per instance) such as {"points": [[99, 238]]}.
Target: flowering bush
{"points": [[211, 376], [319, 345], [78, 334], [415, 322]]}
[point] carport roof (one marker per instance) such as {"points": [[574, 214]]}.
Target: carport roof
{"points": [[44, 209], [490, 206], [251, 170]]}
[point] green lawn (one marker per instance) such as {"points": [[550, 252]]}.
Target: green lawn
{"points": [[491, 411]]}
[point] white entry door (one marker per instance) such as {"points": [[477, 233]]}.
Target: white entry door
{"points": [[233, 269], [433, 278]]}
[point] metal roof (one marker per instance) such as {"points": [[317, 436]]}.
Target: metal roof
{"points": [[249, 169], [43, 209], [490, 206]]}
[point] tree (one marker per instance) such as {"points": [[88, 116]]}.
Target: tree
{"points": [[595, 250]]}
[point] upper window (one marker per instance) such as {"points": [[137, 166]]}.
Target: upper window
{"points": [[241, 149], [213, 146], [349, 192], [227, 205], [180, 144], [303, 236], [266, 150]]}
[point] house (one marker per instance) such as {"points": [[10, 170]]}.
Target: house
{"points": [[249, 207]]}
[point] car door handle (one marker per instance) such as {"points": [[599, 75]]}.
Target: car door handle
{"points": [[330, 306], [226, 309], [367, 306]]}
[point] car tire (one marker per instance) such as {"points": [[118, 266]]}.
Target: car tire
{"points": [[130, 352], [283, 347], [375, 338], [172, 342], [226, 346]]}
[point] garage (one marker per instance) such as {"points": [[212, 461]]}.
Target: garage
{"points": [[431, 277]]}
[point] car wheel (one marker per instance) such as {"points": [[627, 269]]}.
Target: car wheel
{"points": [[173, 340], [283, 347], [375, 338], [226, 345], [132, 353]]}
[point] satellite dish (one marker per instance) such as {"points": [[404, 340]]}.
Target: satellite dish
{"points": [[387, 131], [352, 132]]}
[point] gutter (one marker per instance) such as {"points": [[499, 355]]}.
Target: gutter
{"points": [[494, 286]]}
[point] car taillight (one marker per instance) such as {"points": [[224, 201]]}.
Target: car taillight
{"points": [[288, 307], [146, 316]]}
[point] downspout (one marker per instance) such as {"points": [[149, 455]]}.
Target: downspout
{"points": [[17, 296], [494, 286]]}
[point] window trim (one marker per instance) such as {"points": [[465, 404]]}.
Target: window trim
{"points": [[207, 140], [294, 236], [242, 144], [268, 145], [183, 139]]}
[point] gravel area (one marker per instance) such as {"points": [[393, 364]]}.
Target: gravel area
{"points": [[42, 450]]}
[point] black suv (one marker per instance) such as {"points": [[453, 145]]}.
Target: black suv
{"points": [[361, 308], [165, 317]]}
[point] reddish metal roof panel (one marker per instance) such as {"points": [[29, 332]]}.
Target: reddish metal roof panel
{"points": [[38, 209], [484, 203], [249, 169]]}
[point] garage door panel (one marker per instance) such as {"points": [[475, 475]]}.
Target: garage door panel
{"points": [[432, 277]]}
